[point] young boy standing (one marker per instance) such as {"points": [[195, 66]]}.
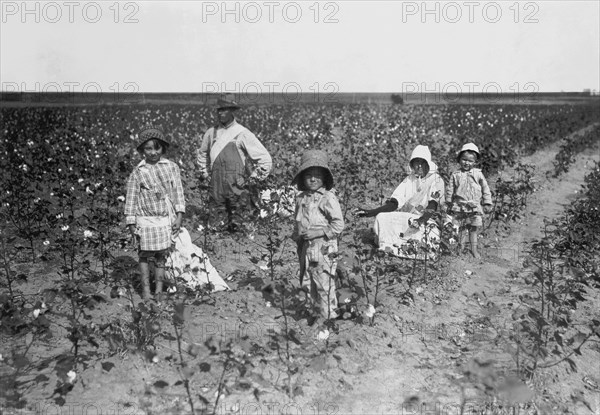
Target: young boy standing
{"points": [[154, 206], [467, 192], [319, 221]]}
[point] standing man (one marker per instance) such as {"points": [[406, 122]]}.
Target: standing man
{"points": [[230, 155]]}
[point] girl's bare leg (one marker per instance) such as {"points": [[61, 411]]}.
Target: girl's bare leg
{"points": [[159, 274], [473, 234], [145, 278], [462, 239]]}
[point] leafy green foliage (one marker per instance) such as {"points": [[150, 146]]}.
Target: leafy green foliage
{"points": [[63, 172], [510, 197], [565, 263], [572, 145]]}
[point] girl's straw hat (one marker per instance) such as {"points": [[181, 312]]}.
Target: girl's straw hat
{"points": [[468, 147], [152, 133], [314, 158]]}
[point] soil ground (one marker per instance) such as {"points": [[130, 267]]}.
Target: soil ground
{"points": [[446, 351]]}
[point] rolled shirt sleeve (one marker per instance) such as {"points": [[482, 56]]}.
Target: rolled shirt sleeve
{"points": [[257, 153], [131, 199], [333, 212], [202, 156], [486, 193], [178, 195]]}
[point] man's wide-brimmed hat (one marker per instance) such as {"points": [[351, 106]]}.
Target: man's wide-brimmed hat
{"points": [[468, 147], [314, 158], [150, 133], [226, 102]]}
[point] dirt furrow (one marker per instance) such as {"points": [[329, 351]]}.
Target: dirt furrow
{"points": [[462, 344]]}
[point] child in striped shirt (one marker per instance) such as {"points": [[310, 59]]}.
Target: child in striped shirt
{"points": [[154, 207]]}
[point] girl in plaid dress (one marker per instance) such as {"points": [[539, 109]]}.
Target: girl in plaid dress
{"points": [[154, 206]]}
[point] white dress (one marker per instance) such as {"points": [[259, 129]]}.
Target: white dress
{"points": [[393, 230]]}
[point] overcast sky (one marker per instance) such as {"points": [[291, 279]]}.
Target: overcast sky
{"points": [[307, 46]]}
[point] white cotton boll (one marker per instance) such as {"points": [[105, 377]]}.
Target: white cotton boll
{"points": [[121, 198], [370, 312], [323, 335], [265, 195], [87, 234], [65, 228], [71, 376], [36, 313]]}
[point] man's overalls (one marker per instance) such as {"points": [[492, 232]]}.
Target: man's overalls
{"points": [[227, 168]]}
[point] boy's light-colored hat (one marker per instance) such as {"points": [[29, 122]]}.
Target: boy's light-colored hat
{"points": [[152, 133], [314, 158], [468, 147]]}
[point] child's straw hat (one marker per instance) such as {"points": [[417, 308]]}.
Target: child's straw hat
{"points": [[468, 147], [314, 158], [152, 133]]}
